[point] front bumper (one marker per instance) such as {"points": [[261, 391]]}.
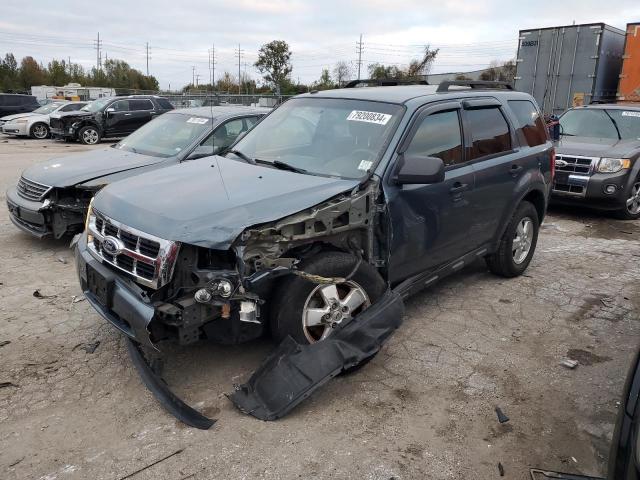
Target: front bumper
{"points": [[27, 215], [9, 128], [589, 190], [61, 132], [117, 300]]}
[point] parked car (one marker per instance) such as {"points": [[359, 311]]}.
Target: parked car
{"points": [[11, 103], [51, 198], [596, 163], [309, 217], [36, 124], [108, 117]]}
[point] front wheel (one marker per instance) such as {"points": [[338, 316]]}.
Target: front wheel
{"points": [[39, 131], [89, 135], [517, 243], [631, 210], [309, 311]]}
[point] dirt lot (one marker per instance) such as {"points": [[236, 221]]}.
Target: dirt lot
{"points": [[424, 408]]}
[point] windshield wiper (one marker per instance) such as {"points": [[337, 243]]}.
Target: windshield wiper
{"points": [[287, 166], [243, 156], [615, 124]]}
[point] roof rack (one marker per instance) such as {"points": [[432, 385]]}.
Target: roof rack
{"points": [[383, 82], [474, 84]]}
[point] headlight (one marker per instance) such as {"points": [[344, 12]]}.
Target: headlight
{"points": [[89, 215], [613, 165]]}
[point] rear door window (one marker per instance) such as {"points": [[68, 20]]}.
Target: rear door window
{"points": [[530, 123], [140, 104], [489, 132], [439, 135]]}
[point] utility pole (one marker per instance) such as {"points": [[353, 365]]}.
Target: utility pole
{"points": [[212, 65], [193, 76], [147, 59], [239, 52], [359, 44], [197, 78], [98, 45]]}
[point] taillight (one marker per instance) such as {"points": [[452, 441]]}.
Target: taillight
{"points": [[553, 164]]}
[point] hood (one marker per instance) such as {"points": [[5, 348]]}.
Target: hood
{"points": [[20, 115], [81, 167], [209, 202], [597, 147]]}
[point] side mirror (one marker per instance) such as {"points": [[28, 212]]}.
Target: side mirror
{"points": [[201, 151], [419, 169], [109, 110]]}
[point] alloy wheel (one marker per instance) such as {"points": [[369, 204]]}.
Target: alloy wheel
{"points": [[90, 136], [522, 240], [40, 131], [633, 202]]}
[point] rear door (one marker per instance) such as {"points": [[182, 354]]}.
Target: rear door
{"points": [[430, 222], [497, 162], [141, 110]]}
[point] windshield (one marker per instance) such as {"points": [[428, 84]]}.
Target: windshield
{"points": [[95, 105], [601, 123], [50, 107], [324, 136], [167, 135]]}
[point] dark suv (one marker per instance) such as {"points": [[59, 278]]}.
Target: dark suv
{"points": [[10, 104], [108, 117], [309, 217], [597, 163]]}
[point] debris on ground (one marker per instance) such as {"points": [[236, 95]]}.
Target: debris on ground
{"points": [[87, 347], [567, 362], [152, 464], [62, 260], [501, 469], [8, 384], [502, 418], [37, 294], [537, 474], [4, 342], [77, 298]]}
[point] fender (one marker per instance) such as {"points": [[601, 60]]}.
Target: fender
{"points": [[635, 170]]}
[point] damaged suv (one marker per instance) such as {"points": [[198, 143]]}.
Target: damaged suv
{"points": [[309, 218]]}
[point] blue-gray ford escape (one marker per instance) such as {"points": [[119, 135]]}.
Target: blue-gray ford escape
{"points": [[308, 219]]}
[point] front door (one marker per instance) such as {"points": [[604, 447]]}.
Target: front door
{"points": [[430, 223], [117, 120]]}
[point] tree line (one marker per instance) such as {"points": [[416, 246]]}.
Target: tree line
{"points": [[19, 78]]}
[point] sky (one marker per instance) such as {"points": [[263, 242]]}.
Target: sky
{"points": [[469, 33]]}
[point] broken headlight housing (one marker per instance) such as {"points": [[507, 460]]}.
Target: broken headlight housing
{"points": [[612, 165]]}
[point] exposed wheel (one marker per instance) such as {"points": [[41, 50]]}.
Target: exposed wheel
{"points": [[89, 135], [517, 243], [309, 311], [631, 210], [39, 131]]}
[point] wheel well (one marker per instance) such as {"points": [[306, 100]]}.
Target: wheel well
{"points": [[536, 198]]}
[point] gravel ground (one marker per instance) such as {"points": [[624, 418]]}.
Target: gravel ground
{"points": [[423, 408]]}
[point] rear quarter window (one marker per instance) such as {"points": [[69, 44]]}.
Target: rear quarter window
{"points": [[164, 103], [489, 132], [530, 124]]}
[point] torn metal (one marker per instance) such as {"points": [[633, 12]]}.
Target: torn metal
{"points": [[292, 371]]}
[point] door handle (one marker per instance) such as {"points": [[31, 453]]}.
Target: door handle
{"points": [[459, 187], [127, 114], [515, 170]]}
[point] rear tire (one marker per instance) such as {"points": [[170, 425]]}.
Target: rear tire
{"points": [[631, 209], [89, 135], [518, 243], [39, 131]]}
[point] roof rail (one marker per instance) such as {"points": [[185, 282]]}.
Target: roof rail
{"points": [[474, 84], [384, 82]]}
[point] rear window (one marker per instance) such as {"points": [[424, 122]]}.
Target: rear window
{"points": [[530, 123], [489, 132]]}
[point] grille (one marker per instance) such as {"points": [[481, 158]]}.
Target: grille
{"points": [[148, 259], [563, 187], [578, 165], [32, 190]]}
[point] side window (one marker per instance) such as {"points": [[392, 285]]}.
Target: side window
{"points": [[142, 104], [529, 122], [439, 136], [120, 106], [489, 132], [164, 103], [225, 134], [251, 121]]}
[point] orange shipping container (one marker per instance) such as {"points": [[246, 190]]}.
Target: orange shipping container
{"points": [[629, 87]]}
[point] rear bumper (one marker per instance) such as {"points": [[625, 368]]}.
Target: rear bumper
{"points": [[591, 190], [125, 307], [27, 215]]}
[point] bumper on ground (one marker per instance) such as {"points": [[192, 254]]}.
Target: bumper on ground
{"points": [[595, 191], [27, 215], [120, 304]]}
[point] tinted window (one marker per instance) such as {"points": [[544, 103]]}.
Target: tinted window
{"points": [[438, 136], [529, 122], [164, 103], [140, 105], [120, 106], [489, 132]]}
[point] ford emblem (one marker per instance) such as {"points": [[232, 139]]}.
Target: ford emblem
{"points": [[561, 163], [112, 245]]}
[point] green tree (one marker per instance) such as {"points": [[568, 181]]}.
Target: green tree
{"points": [[274, 62], [325, 81], [9, 73], [342, 72], [57, 73]]}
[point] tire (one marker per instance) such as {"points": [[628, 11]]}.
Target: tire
{"points": [[295, 293], [509, 261], [39, 131], [631, 211], [89, 135]]}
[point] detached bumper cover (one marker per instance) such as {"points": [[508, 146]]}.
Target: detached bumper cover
{"points": [[292, 372], [27, 214]]}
